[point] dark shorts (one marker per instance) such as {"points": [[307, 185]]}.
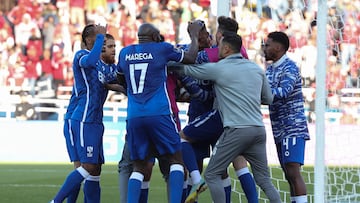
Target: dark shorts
{"points": [[70, 144], [89, 141], [205, 130], [146, 134], [291, 150]]}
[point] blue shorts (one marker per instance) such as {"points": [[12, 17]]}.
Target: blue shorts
{"points": [[70, 144], [291, 150], [152, 136], [89, 141], [204, 130]]}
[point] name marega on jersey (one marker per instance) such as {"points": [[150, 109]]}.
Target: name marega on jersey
{"points": [[138, 56]]}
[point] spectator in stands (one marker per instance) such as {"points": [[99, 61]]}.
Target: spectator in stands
{"points": [[23, 31], [24, 110], [77, 14], [46, 79], [50, 10], [59, 65], [308, 55], [48, 31], [36, 41], [31, 61], [129, 32], [176, 11], [4, 24], [112, 6], [349, 44], [16, 14], [16, 67], [355, 70]]}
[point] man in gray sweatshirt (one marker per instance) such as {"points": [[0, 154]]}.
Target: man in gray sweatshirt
{"points": [[240, 88]]}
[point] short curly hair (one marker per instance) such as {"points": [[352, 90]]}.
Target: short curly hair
{"points": [[227, 24], [89, 30], [281, 38]]}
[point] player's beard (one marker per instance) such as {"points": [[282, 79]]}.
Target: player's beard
{"points": [[110, 59]]}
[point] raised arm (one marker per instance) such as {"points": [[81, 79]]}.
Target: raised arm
{"points": [[93, 57], [194, 29]]}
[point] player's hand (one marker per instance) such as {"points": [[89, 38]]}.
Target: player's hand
{"points": [[194, 27], [100, 29]]}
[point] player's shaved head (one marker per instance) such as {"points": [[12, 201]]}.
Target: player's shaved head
{"points": [[148, 33]]}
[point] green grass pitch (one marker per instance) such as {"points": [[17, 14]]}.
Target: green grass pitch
{"points": [[34, 183]]}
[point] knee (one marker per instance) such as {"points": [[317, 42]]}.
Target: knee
{"points": [[292, 172], [148, 171], [92, 169]]}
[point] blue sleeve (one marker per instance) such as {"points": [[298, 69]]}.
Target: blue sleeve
{"points": [[195, 90], [93, 57], [287, 83]]}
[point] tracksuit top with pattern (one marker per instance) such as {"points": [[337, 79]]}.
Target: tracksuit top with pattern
{"points": [[287, 110]]}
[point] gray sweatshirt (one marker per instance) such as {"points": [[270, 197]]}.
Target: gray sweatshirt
{"points": [[240, 88]]}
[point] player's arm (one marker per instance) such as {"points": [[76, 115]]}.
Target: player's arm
{"points": [[287, 82], [191, 54], [93, 57], [115, 87], [195, 91]]}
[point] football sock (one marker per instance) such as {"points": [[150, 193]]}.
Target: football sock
{"points": [[300, 199], [134, 187], [247, 184], [92, 189], [72, 181], [176, 181], [184, 191], [227, 187], [190, 162], [189, 156], [144, 192], [195, 177], [74, 194]]}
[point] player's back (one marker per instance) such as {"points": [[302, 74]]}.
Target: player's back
{"points": [[145, 70]]}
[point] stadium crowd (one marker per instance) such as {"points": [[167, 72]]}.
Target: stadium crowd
{"points": [[38, 38]]}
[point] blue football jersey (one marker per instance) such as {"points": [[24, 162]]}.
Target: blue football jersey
{"points": [[107, 73], [72, 104], [74, 94], [91, 91], [145, 70], [205, 100]]}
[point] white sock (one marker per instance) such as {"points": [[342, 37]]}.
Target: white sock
{"points": [[226, 182], [300, 199], [93, 178], [137, 176], [242, 171], [195, 177], [83, 172], [145, 185]]}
